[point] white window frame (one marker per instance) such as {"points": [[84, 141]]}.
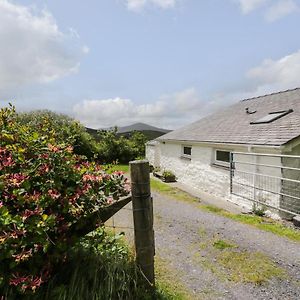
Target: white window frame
{"points": [[186, 155], [220, 162]]}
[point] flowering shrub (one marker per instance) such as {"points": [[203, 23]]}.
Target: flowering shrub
{"points": [[44, 189]]}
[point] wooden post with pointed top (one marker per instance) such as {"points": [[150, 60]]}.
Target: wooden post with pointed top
{"points": [[142, 206]]}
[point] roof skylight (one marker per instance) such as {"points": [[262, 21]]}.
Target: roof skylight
{"points": [[272, 116]]}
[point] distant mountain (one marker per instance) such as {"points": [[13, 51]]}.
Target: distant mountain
{"points": [[151, 132], [141, 127]]}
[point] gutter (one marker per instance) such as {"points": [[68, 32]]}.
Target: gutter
{"points": [[277, 147]]}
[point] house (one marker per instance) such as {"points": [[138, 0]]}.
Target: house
{"points": [[260, 135]]}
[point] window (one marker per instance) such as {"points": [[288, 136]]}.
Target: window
{"points": [[222, 158], [272, 117], [186, 151]]}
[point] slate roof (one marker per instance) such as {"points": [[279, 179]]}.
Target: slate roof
{"points": [[232, 125]]}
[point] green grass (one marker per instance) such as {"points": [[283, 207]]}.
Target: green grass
{"points": [[172, 191], [167, 283], [120, 167], [251, 267], [228, 262], [262, 223], [221, 245]]}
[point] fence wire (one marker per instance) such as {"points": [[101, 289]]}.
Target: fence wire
{"points": [[122, 222], [267, 180]]}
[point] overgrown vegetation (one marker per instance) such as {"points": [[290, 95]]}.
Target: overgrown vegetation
{"points": [[100, 266], [62, 129], [263, 223], [45, 190], [112, 147], [105, 146]]}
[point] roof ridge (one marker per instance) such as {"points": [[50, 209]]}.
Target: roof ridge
{"points": [[274, 93]]}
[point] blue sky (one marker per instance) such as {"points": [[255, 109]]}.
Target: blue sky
{"points": [[163, 62]]}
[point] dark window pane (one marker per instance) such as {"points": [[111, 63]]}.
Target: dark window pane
{"points": [[272, 117], [223, 156], [187, 150]]}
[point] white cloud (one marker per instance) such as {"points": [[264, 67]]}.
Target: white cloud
{"points": [[138, 5], [280, 74], [273, 10], [33, 49], [184, 107], [248, 6], [281, 9], [85, 49], [169, 111]]}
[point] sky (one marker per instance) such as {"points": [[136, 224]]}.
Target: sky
{"points": [[162, 62]]}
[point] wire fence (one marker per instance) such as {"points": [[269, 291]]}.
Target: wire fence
{"points": [[122, 222], [267, 180]]}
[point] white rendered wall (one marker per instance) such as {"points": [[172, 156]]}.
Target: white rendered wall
{"points": [[196, 172], [200, 173], [150, 153]]}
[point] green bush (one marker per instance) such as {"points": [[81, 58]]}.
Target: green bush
{"points": [[62, 129], [168, 176], [113, 147], [44, 190]]}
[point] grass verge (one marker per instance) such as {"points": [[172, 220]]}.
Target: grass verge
{"points": [[263, 223], [168, 287], [119, 167], [227, 261], [252, 267]]}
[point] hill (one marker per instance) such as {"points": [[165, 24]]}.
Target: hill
{"points": [[151, 132]]}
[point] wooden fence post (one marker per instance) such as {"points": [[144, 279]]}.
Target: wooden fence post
{"points": [[143, 217]]}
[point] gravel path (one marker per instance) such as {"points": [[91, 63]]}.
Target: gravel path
{"points": [[183, 234]]}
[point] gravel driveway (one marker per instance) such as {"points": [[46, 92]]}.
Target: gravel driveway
{"points": [[184, 236]]}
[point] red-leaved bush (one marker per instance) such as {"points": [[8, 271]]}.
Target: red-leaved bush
{"points": [[44, 190]]}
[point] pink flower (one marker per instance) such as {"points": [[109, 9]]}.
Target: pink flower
{"points": [[35, 196], [16, 233], [28, 213], [127, 187], [24, 255], [26, 282], [44, 156], [69, 149], [93, 178], [44, 168], [53, 148], [110, 200], [18, 279], [54, 194], [16, 179], [1, 204], [8, 196], [6, 159], [87, 177]]}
